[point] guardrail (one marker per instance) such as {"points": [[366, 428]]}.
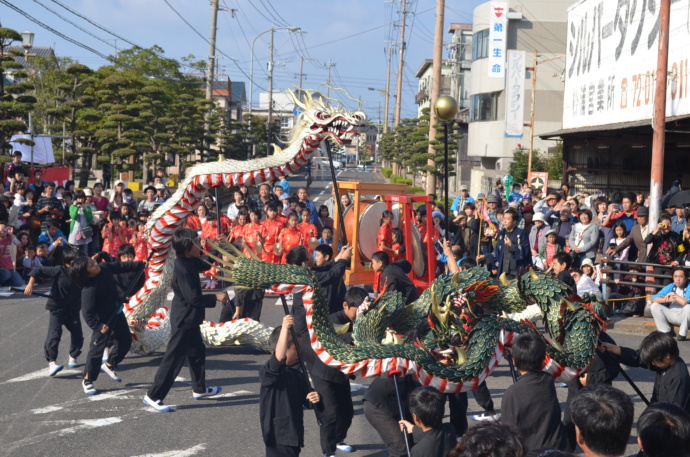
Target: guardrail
{"points": [[649, 283]]}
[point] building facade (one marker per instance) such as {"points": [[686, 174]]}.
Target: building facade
{"points": [[501, 98], [425, 76]]}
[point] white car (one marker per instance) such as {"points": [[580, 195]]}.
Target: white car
{"points": [[323, 161]]}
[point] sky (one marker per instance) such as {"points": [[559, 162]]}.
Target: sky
{"points": [[353, 34]]}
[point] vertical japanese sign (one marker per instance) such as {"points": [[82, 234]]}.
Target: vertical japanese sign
{"points": [[515, 93], [498, 23]]}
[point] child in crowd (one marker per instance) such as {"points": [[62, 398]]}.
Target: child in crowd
{"points": [[549, 249], [253, 240], [398, 245], [270, 230], [114, 234], [31, 260], [308, 229], [139, 241], [283, 395], [531, 404], [326, 236], [64, 305], [333, 385], [384, 240], [42, 254], [560, 268], [186, 315], [324, 219], [659, 353], [431, 435], [290, 236]]}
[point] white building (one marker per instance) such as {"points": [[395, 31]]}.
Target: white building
{"points": [[523, 25], [425, 75]]}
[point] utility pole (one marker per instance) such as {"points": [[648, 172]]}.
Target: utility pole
{"points": [[436, 83], [270, 97], [388, 89], [301, 73], [659, 138], [401, 63], [210, 66], [328, 66]]}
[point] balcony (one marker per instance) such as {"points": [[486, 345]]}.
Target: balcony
{"points": [[422, 96]]}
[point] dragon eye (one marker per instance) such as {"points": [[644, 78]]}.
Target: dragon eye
{"points": [[321, 116]]}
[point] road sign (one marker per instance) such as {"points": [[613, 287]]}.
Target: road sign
{"points": [[539, 180]]}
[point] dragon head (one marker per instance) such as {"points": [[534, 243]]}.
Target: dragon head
{"points": [[329, 121]]}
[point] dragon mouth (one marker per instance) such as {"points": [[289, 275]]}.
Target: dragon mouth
{"points": [[340, 129]]}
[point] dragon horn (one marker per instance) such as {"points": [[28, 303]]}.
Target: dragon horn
{"points": [[570, 305], [296, 99], [234, 249], [504, 280], [276, 149], [218, 248], [533, 275]]}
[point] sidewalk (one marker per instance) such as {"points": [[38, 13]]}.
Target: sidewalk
{"points": [[631, 325]]}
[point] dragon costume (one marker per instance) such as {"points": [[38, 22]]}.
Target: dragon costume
{"points": [[448, 347]]}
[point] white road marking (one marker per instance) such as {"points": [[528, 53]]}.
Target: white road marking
{"points": [[40, 374], [47, 409], [178, 453], [110, 395], [234, 394], [317, 199]]}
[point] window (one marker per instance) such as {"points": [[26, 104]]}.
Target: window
{"points": [[484, 107], [480, 45], [285, 123]]}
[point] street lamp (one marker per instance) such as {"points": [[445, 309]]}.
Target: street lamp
{"points": [[270, 82], [27, 43], [445, 109], [383, 92], [270, 64]]}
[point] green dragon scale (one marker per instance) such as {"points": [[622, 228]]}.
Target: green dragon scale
{"points": [[571, 327]]}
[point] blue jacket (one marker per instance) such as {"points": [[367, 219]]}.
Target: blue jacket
{"points": [[45, 238], [669, 288], [522, 254]]}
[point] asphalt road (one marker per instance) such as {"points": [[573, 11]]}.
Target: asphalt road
{"points": [[52, 416]]}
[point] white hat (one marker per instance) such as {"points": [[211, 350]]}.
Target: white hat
{"points": [[160, 186], [538, 217], [88, 192], [463, 187], [118, 182], [587, 262]]}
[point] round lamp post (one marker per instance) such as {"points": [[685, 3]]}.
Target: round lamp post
{"points": [[445, 109]]}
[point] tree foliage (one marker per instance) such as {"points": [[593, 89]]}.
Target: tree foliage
{"points": [[551, 162]]}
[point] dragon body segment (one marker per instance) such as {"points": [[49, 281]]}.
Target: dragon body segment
{"points": [[318, 122], [485, 337]]}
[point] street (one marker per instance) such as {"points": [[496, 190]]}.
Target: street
{"points": [[52, 416]]}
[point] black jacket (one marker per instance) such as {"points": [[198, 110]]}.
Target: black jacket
{"points": [[99, 297], [188, 308], [381, 393], [333, 286], [330, 276], [64, 294], [124, 280], [437, 441], [531, 405], [671, 385], [673, 238], [394, 278], [282, 397]]}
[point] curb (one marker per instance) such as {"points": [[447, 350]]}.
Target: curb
{"points": [[631, 325]]}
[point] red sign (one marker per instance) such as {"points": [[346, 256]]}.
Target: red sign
{"points": [[539, 179], [498, 12], [55, 174]]}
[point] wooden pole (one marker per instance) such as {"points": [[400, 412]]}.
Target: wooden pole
{"points": [[531, 117], [436, 83], [659, 138]]}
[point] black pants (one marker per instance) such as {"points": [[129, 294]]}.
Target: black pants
{"points": [[278, 450], [184, 344], [387, 427], [457, 403], [483, 397], [122, 341], [70, 319], [337, 413]]}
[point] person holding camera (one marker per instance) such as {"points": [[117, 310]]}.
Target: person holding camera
{"points": [[666, 247], [8, 275]]}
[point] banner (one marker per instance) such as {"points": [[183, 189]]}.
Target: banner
{"points": [[611, 62], [498, 23], [515, 94]]}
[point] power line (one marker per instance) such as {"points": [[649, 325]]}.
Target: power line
{"points": [[96, 25], [77, 26], [277, 13], [261, 13], [234, 61], [50, 29]]}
